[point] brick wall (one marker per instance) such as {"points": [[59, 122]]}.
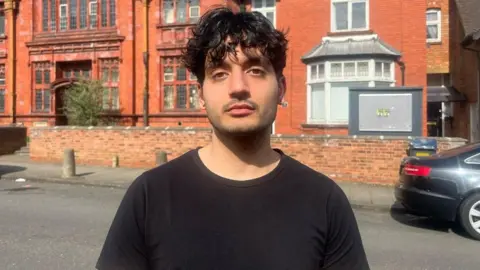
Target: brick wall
{"points": [[438, 52], [344, 158], [12, 139]]}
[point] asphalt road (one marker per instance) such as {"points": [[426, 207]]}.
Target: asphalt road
{"points": [[51, 226]]}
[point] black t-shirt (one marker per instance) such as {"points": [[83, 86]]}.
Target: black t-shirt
{"points": [[181, 216]]}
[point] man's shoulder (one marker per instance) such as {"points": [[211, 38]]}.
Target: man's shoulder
{"points": [[307, 173], [169, 170]]}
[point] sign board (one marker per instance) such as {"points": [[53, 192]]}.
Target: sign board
{"points": [[389, 111], [385, 112]]}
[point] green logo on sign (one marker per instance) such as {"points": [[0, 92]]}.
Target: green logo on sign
{"points": [[383, 112]]}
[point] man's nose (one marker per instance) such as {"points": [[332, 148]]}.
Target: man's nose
{"points": [[239, 84]]}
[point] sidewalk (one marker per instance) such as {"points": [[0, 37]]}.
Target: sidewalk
{"points": [[13, 167]]}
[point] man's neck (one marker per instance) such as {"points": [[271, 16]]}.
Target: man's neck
{"points": [[240, 158]]}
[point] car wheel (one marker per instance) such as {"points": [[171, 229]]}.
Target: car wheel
{"points": [[470, 215]]}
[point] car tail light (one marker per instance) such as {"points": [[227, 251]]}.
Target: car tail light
{"points": [[416, 170]]}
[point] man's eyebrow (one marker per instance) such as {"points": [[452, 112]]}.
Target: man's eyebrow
{"points": [[252, 58]]}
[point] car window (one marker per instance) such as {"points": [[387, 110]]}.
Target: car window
{"points": [[475, 159], [458, 150]]}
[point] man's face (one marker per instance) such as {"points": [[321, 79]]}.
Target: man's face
{"points": [[241, 95]]}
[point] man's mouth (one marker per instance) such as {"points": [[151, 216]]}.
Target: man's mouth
{"points": [[240, 110]]}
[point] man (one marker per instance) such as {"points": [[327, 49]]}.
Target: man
{"points": [[235, 203]]}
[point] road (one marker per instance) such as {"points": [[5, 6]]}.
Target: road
{"points": [[53, 226]]}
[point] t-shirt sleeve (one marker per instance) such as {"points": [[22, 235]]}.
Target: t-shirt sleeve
{"points": [[124, 246], [344, 244]]}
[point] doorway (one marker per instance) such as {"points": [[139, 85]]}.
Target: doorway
{"points": [[434, 119], [60, 116]]}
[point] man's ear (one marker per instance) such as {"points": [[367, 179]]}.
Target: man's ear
{"points": [[201, 98], [282, 89]]}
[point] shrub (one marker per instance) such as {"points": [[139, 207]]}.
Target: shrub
{"points": [[83, 104]]}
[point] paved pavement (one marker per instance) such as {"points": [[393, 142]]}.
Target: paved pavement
{"points": [[13, 167], [51, 226]]}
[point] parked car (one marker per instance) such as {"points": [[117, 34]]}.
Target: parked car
{"points": [[445, 185]]}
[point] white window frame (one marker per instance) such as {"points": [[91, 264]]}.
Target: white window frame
{"points": [[327, 80], [264, 9], [333, 24], [438, 23], [169, 75], [384, 64], [60, 11], [190, 16], [92, 3]]}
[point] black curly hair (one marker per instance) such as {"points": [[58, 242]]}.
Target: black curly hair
{"points": [[251, 30]]}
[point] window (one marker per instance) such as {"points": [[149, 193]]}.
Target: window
{"points": [[433, 25], [475, 159], [63, 9], [41, 86], [110, 76], [2, 20], [267, 8], [77, 14], [93, 13], [181, 11], [328, 86], [76, 73], [2, 100], [349, 15], [180, 87], [2, 88]]}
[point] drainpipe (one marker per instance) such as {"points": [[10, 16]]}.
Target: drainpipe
{"points": [[145, 63], [402, 70], [10, 7]]}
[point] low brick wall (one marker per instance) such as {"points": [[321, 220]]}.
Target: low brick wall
{"points": [[12, 139], [344, 158]]}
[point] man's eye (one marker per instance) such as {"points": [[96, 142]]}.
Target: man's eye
{"points": [[257, 71], [219, 75]]}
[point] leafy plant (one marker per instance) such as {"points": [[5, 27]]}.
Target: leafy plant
{"points": [[83, 104]]}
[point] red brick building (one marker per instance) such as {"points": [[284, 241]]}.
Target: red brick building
{"points": [[439, 84], [334, 44], [453, 80], [465, 69]]}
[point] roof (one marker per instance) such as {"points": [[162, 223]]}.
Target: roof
{"points": [[468, 11], [444, 94], [352, 46]]}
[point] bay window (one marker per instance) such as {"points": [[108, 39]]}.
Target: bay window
{"points": [[328, 86]]}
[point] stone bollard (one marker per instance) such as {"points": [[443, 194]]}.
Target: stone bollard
{"points": [[68, 169], [115, 162], [161, 158]]}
